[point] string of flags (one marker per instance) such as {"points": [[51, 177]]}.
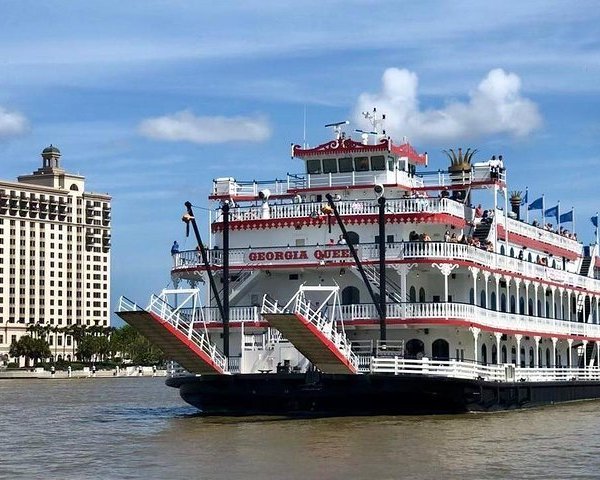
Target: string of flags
{"points": [[555, 213]]}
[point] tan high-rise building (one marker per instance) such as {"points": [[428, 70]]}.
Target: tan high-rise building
{"points": [[54, 256]]}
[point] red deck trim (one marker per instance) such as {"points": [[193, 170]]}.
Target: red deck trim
{"points": [[537, 244], [364, 219], [327, 342]]}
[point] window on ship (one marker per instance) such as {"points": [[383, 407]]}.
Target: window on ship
{"points": [[313, 166], [361, 164], [345, 165], [330, 165], [378, 162]]}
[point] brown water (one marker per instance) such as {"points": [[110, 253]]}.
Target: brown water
{"points": [[139, 428]]}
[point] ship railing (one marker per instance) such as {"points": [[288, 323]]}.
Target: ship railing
{"points": [[327, 327], [126, 305], [532, 374], [299, 305], [231, 187], [472, 370], [353, 179], [288, 255], [348, 207], [444, 368], [185, 324], [439, 310], [537, 233]]}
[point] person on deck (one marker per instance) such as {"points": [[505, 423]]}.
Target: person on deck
{"points": [[174, 251]]}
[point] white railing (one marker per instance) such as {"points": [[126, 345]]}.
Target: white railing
{"points": [[323, 324], [301, 181], [240, 257], [450, 368], [469, 313], [349, 207], [186, 325], [472, 313], [537, 233], [471, 370]]}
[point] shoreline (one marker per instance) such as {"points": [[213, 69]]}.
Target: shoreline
{"points": [[39, 373]]}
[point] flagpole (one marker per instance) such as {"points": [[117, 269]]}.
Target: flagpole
{"points": [[558, 216], [543, 211], [527, 203], [596, 228], [573, 210]]}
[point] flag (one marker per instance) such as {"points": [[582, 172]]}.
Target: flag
{"points": [[595, 221], [551, 212], [524, 199], [566, 217], [536, 204]]}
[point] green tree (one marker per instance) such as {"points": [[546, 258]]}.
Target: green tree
{"points": [[92, 346], [128, 343], [30, 348]]}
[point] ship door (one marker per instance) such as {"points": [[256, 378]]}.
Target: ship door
{"points": [[350, 296], [415, 348], [440, 350]]}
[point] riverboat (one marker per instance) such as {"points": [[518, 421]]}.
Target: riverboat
{"points": [[371, 283]]}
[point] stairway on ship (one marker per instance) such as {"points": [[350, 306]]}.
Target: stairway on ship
{"points": [[392, 289], [482, 231], [173, 333], [585, 266], [312, 334]]}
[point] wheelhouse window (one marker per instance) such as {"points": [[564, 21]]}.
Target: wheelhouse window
{"points": [[330, 165], [391, 162], [361, 164], [345, 164], [378, 162], [313, 166]]}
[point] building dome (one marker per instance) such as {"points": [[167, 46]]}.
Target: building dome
{"points": [[51, 150]]}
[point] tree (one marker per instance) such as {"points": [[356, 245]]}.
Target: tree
{"points": [[130, 344], [30, 348], [92, 346]]}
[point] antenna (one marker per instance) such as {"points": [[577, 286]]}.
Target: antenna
{"points": [[337, 128], [304, 133], [375, 121], [365, 135]]}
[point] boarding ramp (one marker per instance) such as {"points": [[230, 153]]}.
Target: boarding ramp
{"points": [[172, 330], [312, 331]]}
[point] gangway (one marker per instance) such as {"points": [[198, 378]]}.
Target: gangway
{"points": [[311, 331], [172, 330]]}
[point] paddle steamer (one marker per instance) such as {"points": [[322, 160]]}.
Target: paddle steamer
{"points": [[372, 283]]}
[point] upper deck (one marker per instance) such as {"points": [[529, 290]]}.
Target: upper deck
{"points": [[343, 164]]}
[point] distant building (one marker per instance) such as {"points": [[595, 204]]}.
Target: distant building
{"points": [[54, 256]]}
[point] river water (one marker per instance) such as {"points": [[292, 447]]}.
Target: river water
{"points": [[134, 428]]}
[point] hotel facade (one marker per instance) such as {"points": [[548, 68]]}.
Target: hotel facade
{"points": [[55, 241]]}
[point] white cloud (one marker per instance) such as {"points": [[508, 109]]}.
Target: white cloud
{"points": [[496, 106], [185, 126], [12, 123]]}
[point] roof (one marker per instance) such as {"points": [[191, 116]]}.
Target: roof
{"points": [[50, 149], [347, 146]]}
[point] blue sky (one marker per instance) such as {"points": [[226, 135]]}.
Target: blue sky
{"points": [[151, 100]]}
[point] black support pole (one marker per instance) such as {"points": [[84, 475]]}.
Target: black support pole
{"points": [[225, 211], [204, 256], [354, 255], [382, 287]]}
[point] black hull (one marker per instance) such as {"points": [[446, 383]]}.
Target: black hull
{"points": [[371, 394]]}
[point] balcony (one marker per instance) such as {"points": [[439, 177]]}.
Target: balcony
{"points": [[539, 234], [350, 207], [312, 256], [436, 312]]}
